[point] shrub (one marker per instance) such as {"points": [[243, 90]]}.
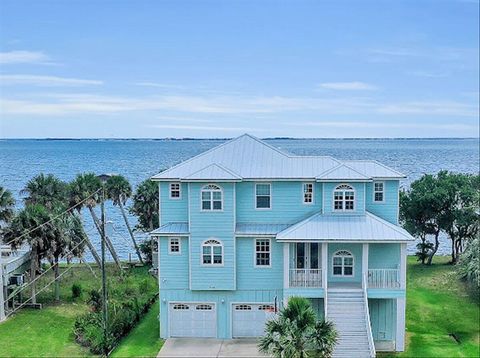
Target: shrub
{"points": [[76, 290], [95, 300], [469, 265]]}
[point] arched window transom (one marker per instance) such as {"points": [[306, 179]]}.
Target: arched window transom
{"points": [[343, 263], [212, 197], [212, 252], [344, 198]]}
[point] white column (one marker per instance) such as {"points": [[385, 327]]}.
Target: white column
{"points": [[2, 303], [400, 335], [403, 266], [286, 264], [324, 265], [364, 263]]}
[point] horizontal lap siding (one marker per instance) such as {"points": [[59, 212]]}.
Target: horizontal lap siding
{"points": [[173, 210], [384, 256], [251, 277], [382, 318], [387, 210], [287, 203], [173, 268], [217, 225], [223, 308], [329, 188]]}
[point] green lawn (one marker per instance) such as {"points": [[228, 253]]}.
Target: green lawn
{"points": [[143, 340], [438, 306]]}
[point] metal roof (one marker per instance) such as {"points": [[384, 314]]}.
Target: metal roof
{"points": [[259, 229], [172, 228], [247, 158], [345, 227], [342, 172]]}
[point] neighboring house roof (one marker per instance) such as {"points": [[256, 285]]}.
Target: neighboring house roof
{"points": [[172, 228], [249, 229], [247, 158], [344, 227]]}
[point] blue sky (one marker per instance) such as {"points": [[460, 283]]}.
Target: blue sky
{"points": [[121, 69]]}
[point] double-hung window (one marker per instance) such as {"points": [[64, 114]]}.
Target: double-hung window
{"points": [[344, 198], [343, 263], [212, 197], [262, 252], [212, 252], [174, 246], [263, 196], [175, 191], [378, 191], [308, 193]]}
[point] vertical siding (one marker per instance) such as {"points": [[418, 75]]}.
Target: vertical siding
{"points": [[251, 277], [286, 201], [356, 250], [329, 188], [173, 210], [382, 318], [384, 256], [174, 268], [206, 225], [387, 210]]}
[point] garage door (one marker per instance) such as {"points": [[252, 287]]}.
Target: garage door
{"points": [[248, 320], [193, 320]]}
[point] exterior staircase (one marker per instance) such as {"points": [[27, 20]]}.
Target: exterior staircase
{"points": [[346, 309]]}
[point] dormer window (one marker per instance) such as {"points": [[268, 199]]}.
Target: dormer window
{"points": [[175, 191], [378, 191], [212, 198], [344, 198]]}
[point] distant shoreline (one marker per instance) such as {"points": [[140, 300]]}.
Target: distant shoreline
{"points": [[224, 139]]}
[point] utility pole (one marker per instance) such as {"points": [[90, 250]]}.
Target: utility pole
{"points": [[2, 298], [104, 274]]}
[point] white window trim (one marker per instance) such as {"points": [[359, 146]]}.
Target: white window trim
{"points": [[313, 193], [383, 191], [179, 191], [211, 254], [255, 196], [170, 252], [255, 253], [343, 266], [343, 210], [211, 199]]}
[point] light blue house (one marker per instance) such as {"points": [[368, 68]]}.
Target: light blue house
{"points": [[244, 226]]}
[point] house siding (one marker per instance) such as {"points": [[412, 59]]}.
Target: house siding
{"points": [[382, 318], [174, 273], [384, 256], [388, 209], [173, 210]]}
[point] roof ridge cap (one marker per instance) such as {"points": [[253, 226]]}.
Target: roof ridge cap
{"points": [[265, 144]]}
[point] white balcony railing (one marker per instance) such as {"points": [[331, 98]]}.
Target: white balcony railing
{"points": [[383, 278], [311, 278]]}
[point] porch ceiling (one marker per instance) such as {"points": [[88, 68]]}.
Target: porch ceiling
{"points": [[344, 227]]}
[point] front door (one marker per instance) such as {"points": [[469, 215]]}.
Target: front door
{"points": [[307, 255]]}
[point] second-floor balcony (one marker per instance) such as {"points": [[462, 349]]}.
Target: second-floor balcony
{"points": [[308, 278], [383, 278]]}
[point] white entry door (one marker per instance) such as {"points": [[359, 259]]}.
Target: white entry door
{"points": [[248, 320], [193, 320]]}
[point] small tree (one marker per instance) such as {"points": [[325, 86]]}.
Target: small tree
{"points": [[145, 205], [296, 333]]}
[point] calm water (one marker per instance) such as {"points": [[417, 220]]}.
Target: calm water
{"points": [[20, 160]]}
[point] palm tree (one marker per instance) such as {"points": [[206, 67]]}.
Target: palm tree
{"points": [[7, 203], [145, 205], [46, 190], [84, 191], [119, 191], [296, 333]]}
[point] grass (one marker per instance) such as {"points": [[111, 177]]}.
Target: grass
{"points": [[439, 309], [49, 332], [143, 340]]}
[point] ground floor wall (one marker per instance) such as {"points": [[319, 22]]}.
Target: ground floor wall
{"points": [[223, 302], [383, 319]]}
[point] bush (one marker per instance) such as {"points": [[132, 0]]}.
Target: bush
{"points": [[469, 265], [76, 290], [146, 250], [95, 300]]}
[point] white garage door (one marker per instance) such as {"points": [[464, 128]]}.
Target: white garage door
{"points": [[193, 320], [248, 320]]}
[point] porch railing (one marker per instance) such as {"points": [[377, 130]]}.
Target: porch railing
{"points": [[310, 278], [383, 278]]}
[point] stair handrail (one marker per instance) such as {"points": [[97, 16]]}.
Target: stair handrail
{"points": [[371, 344]]}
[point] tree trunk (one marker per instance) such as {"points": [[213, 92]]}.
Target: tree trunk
{"points": [[107, 240], [453, 251], [92, 250], [424, 252], [33, 272], [130, 231], [56, 271], [435, 248]]}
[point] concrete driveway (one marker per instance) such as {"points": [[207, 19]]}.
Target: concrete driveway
{"points": [[208, 347]]}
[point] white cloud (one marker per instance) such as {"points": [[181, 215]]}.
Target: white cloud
{"points": [[438, 108], [49, 81], [391, 125], [14, 57], [348, 86]]}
